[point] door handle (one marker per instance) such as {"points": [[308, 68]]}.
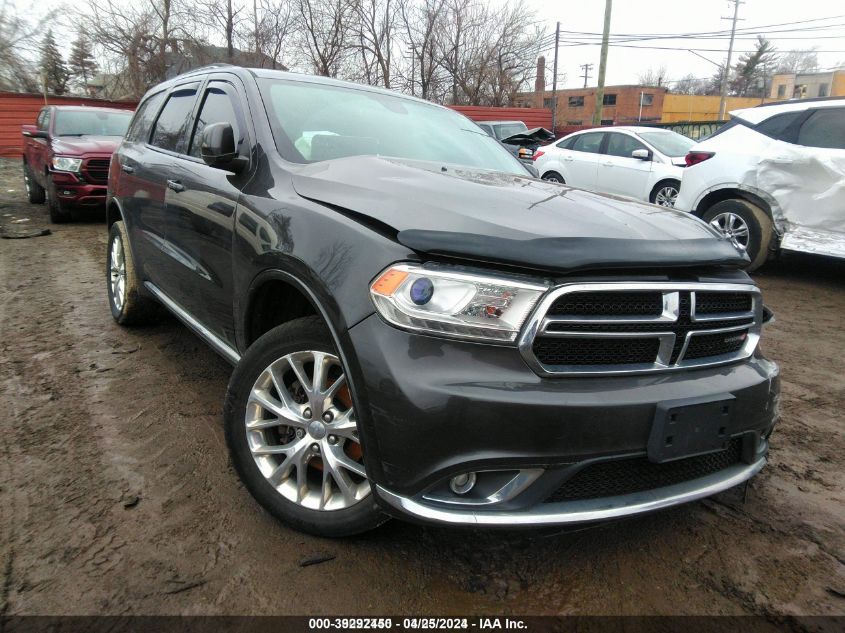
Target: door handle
{"points": [[127, 169], [608, 163], [175, 185], [568, 158]]}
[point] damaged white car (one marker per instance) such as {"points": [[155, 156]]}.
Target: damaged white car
{"points": [[773, 178]]}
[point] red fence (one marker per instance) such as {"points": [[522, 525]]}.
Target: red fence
{"points": [[20, 109], [532, 117]]}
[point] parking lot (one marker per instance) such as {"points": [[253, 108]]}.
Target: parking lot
{"points": [[117, 496]]}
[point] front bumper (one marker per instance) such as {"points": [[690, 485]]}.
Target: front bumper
{"points": [[73, 191], [436, 408]]}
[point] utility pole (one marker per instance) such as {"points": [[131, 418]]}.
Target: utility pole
{"points": [[608, 6], [726, 73], [554, 79], [587, 68]]}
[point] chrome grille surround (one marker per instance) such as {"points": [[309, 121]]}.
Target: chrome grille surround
{"points": [[539, 323]]}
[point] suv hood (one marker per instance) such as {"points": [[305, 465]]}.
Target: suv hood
{"points": [[505, 218], [78, 145]]}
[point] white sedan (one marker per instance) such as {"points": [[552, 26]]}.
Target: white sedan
{"points": [[641, 162]]}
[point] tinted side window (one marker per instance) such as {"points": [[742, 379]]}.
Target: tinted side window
{"points": [[622, 145], [566, 143], [139, 129], [169, 132], [824, 128], [777, 126], [43, 121], [218, 107], [588, 142]]}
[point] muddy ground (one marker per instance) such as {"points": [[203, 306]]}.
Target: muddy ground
{"points": [[117, 496]]}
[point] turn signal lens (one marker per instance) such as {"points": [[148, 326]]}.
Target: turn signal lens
{"points": [[448, 302]]}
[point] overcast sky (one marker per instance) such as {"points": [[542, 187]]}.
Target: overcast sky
{"points": [[658, 17]]}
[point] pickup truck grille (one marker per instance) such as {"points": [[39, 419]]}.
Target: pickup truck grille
{"points": [[96, 170], [601, 328]]}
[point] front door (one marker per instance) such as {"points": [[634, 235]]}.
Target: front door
{"points": [[619, 172], [201, 203]]}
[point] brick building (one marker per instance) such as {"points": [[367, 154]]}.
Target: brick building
{"points": [[621, 104]]}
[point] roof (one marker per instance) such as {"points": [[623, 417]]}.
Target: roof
{"points": [[760, 113]]}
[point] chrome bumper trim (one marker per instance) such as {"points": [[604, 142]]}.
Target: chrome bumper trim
{"points": [[580, 511]]}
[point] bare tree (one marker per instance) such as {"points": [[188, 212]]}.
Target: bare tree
{"points": [[222, 17], [375, 25], [690, 85], [18, 47], [798, 62], [654, 77], [325, 31], [273, 24], [420, 22]]}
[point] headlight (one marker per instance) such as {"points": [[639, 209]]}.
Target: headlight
{"points": [[451, 303], [62, 163]]}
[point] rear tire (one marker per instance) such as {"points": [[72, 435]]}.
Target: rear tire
{"points": [[747, 224], [553, 176], [128, 306], [58, 215], [295, 468], [34, 192]]}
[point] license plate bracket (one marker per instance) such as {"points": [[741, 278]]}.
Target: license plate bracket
{"points": [[693, 426]]}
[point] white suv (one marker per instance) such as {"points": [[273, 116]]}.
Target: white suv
{"points": [[645, 163], [773, 178]]}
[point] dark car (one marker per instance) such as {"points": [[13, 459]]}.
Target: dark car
{"points": [[66, 156], [517, 138], [420, 328]]}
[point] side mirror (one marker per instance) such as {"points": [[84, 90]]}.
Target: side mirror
{"points": [[642, 154], [31, 131], [217, 147]]}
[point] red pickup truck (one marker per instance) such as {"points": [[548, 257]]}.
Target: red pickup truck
{"points": [[66, 156]]}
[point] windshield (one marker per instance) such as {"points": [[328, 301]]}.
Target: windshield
{"points": [[509, 129], [91, 122], [313, 123], [668, 143]]}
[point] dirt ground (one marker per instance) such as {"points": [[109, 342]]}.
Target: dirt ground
{"points": [[117, 496]]}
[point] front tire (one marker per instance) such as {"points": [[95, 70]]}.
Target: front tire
{"points": [[746, 224], [293, 436], [553, 176], [58, 215], [665, 193], [128, 306]]}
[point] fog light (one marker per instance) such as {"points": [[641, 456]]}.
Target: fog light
{"points": [[462, 484]]}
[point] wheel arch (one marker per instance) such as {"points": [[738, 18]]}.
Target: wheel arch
{"points": [[661, 183], [314, 300], [733, 192], [113, 213]]}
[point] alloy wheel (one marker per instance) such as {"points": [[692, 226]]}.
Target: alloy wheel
{"points": [[302, 432], [666, 196], [117, 273], [733, 227]]}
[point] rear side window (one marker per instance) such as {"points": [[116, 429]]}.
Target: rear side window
{"points": [[777, 126], [566, 143], [139, 129], [588, 143], [169, 131], [824, 128], [218, 107]]}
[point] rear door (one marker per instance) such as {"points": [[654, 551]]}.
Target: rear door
{"points": [[152, 162], [618, 172], [201, 203], [580, 162]]}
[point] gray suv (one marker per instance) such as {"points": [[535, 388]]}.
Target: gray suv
{"points": [[417, 326]]}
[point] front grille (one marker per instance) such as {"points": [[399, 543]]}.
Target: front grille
{"points": [[595, 351], [97, 170], [627, 476], [704, 345], [608, 303], [622, 327], [722, 302]]}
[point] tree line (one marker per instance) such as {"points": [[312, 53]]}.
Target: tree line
{"points": [[447, 51], [750, 76]]}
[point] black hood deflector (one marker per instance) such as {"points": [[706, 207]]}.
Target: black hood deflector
{"points": [[569, 254], [449, 211]]}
